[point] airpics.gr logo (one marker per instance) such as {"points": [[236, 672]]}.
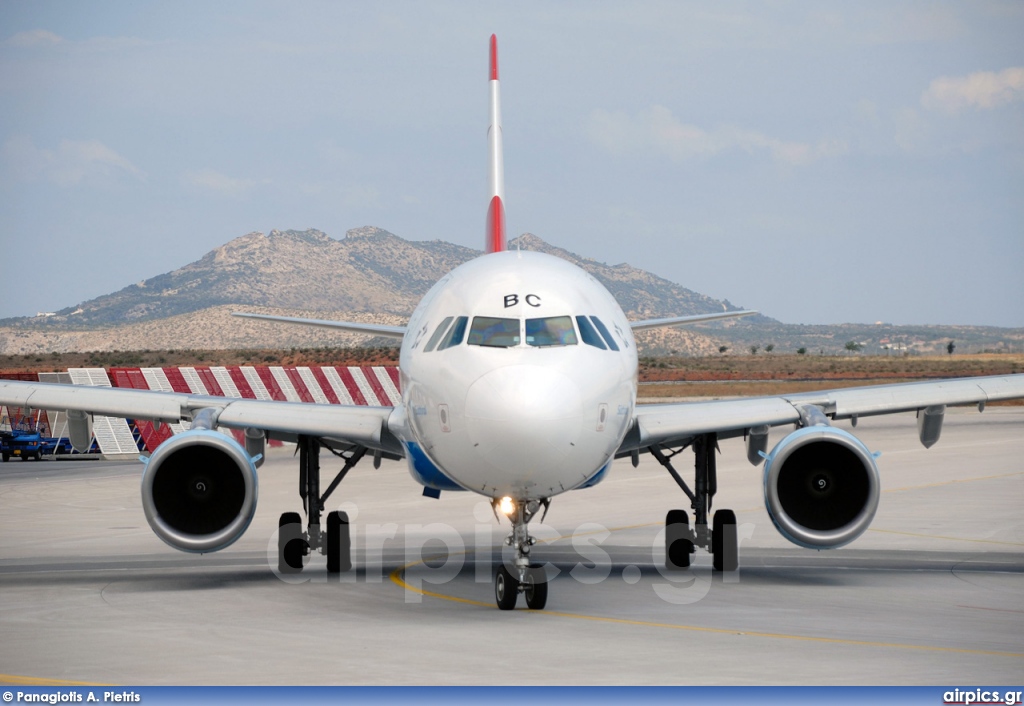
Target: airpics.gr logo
{"points": [[982, 696]]}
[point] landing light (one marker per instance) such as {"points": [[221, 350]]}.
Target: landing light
{"points": [[506, 506]]}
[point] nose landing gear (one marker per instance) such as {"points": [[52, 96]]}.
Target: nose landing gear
{"points": [[523, 577]]}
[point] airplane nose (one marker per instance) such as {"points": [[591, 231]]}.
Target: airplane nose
{"points": [[524, 419]]}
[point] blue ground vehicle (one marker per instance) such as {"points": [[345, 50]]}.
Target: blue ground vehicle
{"points": [[25, 442]]}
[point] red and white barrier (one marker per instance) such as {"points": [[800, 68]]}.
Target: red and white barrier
{"points": [[374, 386]]}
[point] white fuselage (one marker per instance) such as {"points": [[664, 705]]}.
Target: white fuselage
{"points": [[528, 399]]}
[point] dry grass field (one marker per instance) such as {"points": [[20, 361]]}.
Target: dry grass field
{"points": [[741, 376], [660, 377], [169, 358]]}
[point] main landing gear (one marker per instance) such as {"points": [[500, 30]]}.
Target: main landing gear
{"points": [[293, 544], [720, 539], [524, 577]]}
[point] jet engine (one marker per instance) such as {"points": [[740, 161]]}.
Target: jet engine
{"points": [[199, 491], [821, 487]]}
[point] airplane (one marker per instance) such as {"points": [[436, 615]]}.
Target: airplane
{"points": [[518, 382]]}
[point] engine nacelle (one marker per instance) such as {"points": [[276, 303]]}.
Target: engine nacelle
{"points": [[199, 491], [821, 487]]}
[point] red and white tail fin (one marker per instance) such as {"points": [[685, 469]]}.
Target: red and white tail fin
{"points": [[496, 209]]}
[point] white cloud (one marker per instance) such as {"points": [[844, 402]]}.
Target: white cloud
{"points": [[212, 180], [658, 130], [72, 163], [984, 89], [33, 38]]}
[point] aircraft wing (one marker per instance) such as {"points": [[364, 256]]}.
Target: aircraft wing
{"points": [[348, 326], [686, 320], [679, 422], [353, 424]]}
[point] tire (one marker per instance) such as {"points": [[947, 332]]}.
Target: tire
{"points": [[339, 543], [506, 589], [291, 546], [6, 457], [536, 590], [724, 542], [678, 541]]}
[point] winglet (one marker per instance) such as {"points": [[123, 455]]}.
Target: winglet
{"points": [[495, 234]]}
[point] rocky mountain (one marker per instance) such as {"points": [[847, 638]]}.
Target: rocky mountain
{"points": [[640, 294], [369, 270], [374, 275]]}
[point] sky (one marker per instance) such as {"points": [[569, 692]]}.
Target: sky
{"points": [[822, 162]]}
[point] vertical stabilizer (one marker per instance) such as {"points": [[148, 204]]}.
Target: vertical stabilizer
{"points": [[496, 208]]}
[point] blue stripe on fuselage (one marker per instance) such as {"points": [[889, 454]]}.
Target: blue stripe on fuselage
{"points": [[425, 472], [597, 477]]}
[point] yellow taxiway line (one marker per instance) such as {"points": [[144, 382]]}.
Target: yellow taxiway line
{"points": [[17, 680], [397, 577]]}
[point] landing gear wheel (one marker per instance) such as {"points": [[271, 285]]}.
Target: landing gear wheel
{"points": [[678, 540], [536, 589], [291, 546], [724, 544], [506, 589], [339, 543]]}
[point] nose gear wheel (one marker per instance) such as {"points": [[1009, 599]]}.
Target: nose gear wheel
{"points": [[522, 576]]}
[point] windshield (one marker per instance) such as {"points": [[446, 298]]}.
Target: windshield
{"points": [[455, 335], [605, 333], [550, 331], [441, 328], [589, 334], [491, 331]]}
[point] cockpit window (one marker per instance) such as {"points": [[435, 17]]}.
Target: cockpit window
{"points": [[456, 334], [605, 333], [438, 332], [491, 331], [550, 331], [589, 334]]}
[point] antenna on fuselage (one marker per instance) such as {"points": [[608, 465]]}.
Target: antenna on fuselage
{"points": [[495, 234]]}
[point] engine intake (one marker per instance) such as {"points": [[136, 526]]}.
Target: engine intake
{"points": [[199, 491], [821, 487]]}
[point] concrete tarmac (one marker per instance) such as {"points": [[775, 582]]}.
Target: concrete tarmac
{"points": [[933, 593]]}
